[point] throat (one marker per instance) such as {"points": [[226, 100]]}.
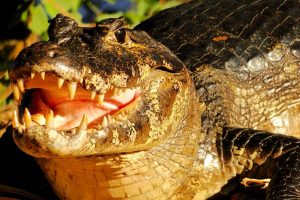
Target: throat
{"points": [[159, 172]]}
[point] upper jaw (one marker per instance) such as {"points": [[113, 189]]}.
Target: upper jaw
{"points": [[89, 68]]}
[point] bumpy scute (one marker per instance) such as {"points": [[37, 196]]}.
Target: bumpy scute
{"points": [[180, 132]]}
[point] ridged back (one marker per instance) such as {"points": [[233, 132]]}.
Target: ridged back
{"points": [[236, 35]]}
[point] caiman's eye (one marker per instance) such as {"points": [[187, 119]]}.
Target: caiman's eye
{"points": [[120, 35]]}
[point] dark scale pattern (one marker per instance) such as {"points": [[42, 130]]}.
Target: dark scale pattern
{"points": [[254, 43], [258, 146], [244, 61], [244, 58], [252, 29]]}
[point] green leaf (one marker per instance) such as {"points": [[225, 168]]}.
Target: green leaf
{"points": [[142, 7], [169, 4], [53, 7], [109, 15], [58, 5], [111, 1], [39, 19], [52, 11], [133, 18], [24, 16], [69, 5], [156, 7]]}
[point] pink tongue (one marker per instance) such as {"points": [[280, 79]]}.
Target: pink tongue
{"points": [[69, 114]]}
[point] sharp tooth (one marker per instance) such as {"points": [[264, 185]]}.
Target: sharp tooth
{"points": [[120, 91], [111, 121], [17, 92], [93, 95], [20, 128], [49, 119], [81, 80], [121, 116], [84, 123], [73, 131], [27, 118], [15, 120], [115, 91], [87, 87], [60, 82], [43, 75], [20, 83], [32, 74], [104, 122], [39, 118], [72, 90], [100, 99], [101, 134]]}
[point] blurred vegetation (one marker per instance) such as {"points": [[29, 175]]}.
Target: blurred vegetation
{"points": [[87, 11], [26, 21]]}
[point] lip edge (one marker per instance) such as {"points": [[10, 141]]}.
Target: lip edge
{"points": [[22, 106]]}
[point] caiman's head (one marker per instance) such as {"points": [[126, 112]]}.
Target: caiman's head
{"points": [[101, 90]]}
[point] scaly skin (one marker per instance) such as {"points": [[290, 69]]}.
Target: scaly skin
{"points": [[248, 50], [175, 138], [137, 135]]}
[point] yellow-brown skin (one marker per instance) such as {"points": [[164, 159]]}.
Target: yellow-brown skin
{"points": [[149, 152], [269, 101], [159, 149], [154, 173], [151, 110]]}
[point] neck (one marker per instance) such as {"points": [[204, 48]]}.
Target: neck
{"points": [[156, 172]]}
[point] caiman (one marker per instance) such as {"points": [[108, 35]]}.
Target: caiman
{"points": [[176, 108]]}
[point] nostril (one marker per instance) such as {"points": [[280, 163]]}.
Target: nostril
{"points": [[27, 55], [51, 54]]}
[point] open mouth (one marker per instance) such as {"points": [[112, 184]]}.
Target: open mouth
{"points": [[86, 92], [57, 104]]}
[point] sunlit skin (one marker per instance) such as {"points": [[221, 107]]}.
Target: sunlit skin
{"points": [[100, 111], [110, 113]]}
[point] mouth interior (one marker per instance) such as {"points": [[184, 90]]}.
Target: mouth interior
{"points": [[68, 111]]}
